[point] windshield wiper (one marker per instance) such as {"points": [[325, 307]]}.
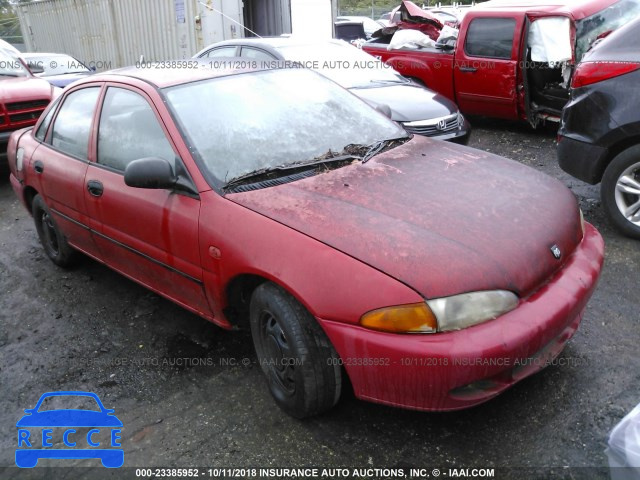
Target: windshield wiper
{"points": [[9, 75], [350, 152], [391, 82], [380, 146], [289, 169]]}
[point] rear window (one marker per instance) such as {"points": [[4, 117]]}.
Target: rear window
{"points": [[490, 37], [611, 18]]}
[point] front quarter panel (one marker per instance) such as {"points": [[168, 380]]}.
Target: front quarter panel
{"points": [[331, 284]]}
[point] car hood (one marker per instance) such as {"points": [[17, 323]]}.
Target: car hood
{"points": [[408, 103], [16, 89], [441, 218], [69, 418]]}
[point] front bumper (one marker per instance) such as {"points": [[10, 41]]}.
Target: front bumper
{"points": [[457, 132], [455, 370]]}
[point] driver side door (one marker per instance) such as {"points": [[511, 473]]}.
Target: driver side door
{"points": [[149, 235]]}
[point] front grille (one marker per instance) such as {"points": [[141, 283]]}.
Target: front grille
{"points": [[31, 105], [433, 127], [24, 117]]}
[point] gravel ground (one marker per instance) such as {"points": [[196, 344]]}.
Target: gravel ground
{"points": [[91, 329]]}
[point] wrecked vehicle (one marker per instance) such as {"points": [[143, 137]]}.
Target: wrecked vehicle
{"points": [[509, 60], [599, 136], [295, 208]]}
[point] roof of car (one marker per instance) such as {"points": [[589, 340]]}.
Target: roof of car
{"points": [[163, 74], [276, 42], [576, 8]]}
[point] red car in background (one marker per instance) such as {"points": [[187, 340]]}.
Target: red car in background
{"points": [[23, 98], [434, 276]]}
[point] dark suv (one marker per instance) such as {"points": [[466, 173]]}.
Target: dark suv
{"points": [[599, 137]]}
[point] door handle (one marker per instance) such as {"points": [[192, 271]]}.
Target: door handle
{"points": [[38, 166], [95, 188], [468, 69]]}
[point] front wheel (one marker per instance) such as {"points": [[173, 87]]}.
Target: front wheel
{"points": [[620, 191], [302, 367], [53, 241]]}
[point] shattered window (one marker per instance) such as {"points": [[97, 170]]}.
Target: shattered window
{"points": [[246, 122], [589, 29], [490, 37]]}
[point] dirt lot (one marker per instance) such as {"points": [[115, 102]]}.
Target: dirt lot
{"points": [[90, 329]]}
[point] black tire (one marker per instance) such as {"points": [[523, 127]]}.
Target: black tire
{"points": [[301, 365], [53, 241], [625, 165]]}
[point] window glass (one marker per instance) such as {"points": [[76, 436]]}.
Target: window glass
{"points": [[248, 52], [72, 128], [42, 130], [490, 37], [129, 130], [221, 52]]}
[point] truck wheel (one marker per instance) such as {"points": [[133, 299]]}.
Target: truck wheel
{"points": [[53, 241], [302, 367], [620, 191]]}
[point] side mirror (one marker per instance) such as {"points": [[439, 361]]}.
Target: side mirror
{"points": [[93, 68], [154, 173], [384, 109], [36, 69]]}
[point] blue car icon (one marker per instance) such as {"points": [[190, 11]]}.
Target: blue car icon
{"points": [[29, 452]]}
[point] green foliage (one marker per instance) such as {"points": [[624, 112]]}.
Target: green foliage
{"points": [[378, 7]]}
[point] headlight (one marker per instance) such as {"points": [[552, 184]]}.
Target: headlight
{"points": [[441, 314], [581, 221], [460, 121], [462, 311]]}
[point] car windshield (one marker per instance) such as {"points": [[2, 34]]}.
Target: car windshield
{"points": [[57, 64], [342, 63], [590, 28], [10, 66], [247, 122]]}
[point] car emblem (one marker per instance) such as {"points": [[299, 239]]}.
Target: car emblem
{"points": [[557, 253], [442, 124]]}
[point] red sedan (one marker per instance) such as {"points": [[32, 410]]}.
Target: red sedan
{"points": [[434, 276]]}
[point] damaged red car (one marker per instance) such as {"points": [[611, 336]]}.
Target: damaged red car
{"points": [[433, 276]]}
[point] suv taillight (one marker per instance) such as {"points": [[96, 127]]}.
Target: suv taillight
{"points": [[593, 72]]}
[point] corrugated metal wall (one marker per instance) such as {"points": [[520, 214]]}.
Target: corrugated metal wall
{"points": [[116, 33]]}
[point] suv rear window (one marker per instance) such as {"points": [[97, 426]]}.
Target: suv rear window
{"points": [[490, 37]]}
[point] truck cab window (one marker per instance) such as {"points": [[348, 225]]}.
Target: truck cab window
{"points": [[490, 37]]}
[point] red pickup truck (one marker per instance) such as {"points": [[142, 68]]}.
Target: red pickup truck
{"points": [[23, 98], [510, 60]]}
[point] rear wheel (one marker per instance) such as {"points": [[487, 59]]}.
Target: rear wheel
{"points": [[620, 191], [301, 365], [53, 241]]}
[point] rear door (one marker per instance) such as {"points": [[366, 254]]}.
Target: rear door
{"points": [[149, 235], [60, 163], [485, 69]]}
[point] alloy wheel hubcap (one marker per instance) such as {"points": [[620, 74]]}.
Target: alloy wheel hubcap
{"points": [[627, 194]]}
